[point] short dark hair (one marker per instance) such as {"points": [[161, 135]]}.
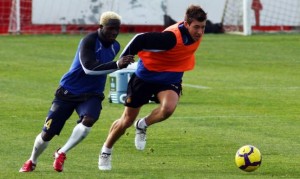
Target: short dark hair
{"points": [[195, 12]]}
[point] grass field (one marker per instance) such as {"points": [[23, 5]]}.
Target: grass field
{"points": [[244, 90]]}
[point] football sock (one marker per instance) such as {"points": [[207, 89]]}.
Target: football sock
{"points": [[106, 150], [142, 124], [39, 146], [80, 131]]}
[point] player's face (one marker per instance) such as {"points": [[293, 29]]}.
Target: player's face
{"points": [[110, 30], [196, 29]]}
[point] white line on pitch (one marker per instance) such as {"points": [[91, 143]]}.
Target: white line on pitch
{"points": [[247, 87], [265, 87], [203, 117], [196, 86]]}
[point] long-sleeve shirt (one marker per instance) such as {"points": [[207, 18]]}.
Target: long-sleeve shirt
{"points": [[156, 41], [92, 62]]}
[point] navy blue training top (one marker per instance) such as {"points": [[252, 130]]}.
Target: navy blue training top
{"points": [[92, 62]]}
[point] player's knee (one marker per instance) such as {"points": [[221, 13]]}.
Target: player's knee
{"points": [[127, 123], [167, 111], [127, 119], [88, 121], [46, 136]]}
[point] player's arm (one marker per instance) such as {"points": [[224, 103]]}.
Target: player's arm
{"points": [[157, 41], [91, 66]]}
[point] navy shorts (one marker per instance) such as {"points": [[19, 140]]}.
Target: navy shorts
{"points": [[63, 106], [140, 92]]}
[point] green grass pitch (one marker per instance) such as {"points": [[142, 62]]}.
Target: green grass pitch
{"points": [[243, 90]]}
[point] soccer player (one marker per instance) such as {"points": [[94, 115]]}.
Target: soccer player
{"points": [[81, 90], [163, 59], [257, 7]]}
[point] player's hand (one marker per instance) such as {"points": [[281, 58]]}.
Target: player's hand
{"points": [[124, 61]]}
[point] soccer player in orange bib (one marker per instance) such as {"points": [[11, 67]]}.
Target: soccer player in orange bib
{"points": [[163, 59]]}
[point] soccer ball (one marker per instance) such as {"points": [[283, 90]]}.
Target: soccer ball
{"points": [[248, 158]]}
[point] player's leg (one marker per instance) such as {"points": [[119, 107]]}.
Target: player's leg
{"points": [[59, 112], [38, 147], [138, 93], [88, 112], [117, 129], [168, 96], [168, 102]]}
